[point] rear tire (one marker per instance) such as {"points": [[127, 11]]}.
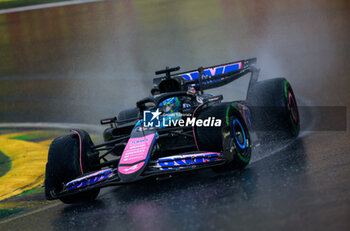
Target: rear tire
{"points": [[232, 138], [274, 109], [65, 163]]}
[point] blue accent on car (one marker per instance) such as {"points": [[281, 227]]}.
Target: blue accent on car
{"points": [[89, 180], [188, 161], [242, 146], [207, 72]]}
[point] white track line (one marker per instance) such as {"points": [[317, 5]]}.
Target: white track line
{"points": [[46, 5], [89, 127], [14, 217]]}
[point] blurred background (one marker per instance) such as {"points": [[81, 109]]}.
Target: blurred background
{"points": [[84, 62]]}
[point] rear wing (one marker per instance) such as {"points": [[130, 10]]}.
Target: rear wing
{"points": [[204, 78], [217, 76]]}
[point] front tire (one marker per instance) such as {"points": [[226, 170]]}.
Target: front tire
{"points": [[232, 138], [69, 157]]}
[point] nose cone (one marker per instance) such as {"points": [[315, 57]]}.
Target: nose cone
{"points": [[136, 154]]}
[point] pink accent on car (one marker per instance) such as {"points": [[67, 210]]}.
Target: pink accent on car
{"points": [[292, 104], [212, 71], [190, 155], [131, 169], [136, 149], [90, 175], [189, 76], [80, 146], [194, 132]]}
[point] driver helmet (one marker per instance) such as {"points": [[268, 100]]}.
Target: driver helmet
{"points": [[170, 105]]}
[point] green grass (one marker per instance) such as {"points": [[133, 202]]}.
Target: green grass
{"points": [[7, 212], [36, 137], [28, 137], [5, 164], [31, 191], [17, 3]]}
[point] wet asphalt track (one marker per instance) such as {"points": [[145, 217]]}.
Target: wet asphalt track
{"points": [[80, 63]]}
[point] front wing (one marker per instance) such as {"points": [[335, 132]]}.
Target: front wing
{"points": [[162, 166]]}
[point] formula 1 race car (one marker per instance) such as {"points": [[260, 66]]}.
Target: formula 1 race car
{"points": [[178, 128]]}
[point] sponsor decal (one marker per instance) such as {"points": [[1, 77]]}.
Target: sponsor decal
{"points": [[181, 161], [209, 72], [136, 149], [130, 168], [91, 179]]}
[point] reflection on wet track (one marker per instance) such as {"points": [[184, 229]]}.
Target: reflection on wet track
{"points": [[84, 62]]}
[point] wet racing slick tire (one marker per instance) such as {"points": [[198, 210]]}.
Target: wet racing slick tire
{"points": [[274, 109], [232, 137], [69, 157]]}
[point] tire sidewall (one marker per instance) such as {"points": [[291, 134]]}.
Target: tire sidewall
{"points": [[69, 157], [241, 153], [268, 101]]}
